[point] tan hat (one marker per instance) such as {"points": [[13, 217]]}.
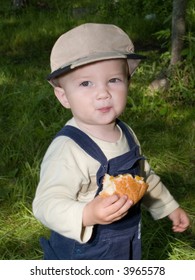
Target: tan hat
{"points": [[88, 43]]}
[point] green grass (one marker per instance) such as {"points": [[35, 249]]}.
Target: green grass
{"points": [[30, 116]]}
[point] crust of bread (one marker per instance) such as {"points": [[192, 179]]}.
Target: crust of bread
{"points": [[126, 184]]}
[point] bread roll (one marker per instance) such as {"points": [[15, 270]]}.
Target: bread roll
{"points": [[126, 184]]}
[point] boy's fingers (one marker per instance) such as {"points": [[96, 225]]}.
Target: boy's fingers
{"points": [[120, 208], [107, 201]]}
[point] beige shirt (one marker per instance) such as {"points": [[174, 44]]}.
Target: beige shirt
{"points": [[68, 182]]}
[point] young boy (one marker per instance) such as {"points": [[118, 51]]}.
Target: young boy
{"points": [[92, 66]]}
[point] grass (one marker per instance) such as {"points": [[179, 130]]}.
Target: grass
{"points": [[30, 115]]}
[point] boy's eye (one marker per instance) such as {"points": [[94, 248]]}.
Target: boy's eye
{"points": [[86, 84], [114, 80]]}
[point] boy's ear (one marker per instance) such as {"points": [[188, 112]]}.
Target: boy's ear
{"points": [[61, 96]]}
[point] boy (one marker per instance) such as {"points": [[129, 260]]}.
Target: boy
{"points": [[92, 66]]}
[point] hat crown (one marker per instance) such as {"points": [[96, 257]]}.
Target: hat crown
{"points": [[90, 40]]}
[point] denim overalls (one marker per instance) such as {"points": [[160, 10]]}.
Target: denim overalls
{"points": [[116, 241]]}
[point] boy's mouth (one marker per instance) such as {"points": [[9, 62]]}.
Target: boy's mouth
{"points": [[105, 109]]}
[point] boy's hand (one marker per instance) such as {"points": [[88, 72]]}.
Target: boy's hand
{"points": [[180, 220], [105, 210]]}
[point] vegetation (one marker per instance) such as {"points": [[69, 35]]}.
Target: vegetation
{"points": [[164, 121]]}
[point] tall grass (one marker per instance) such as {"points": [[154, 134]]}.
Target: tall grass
{"points": [[30, 116]]}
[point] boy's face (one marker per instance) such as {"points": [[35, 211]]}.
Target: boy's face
{"points": [[96, 93]]}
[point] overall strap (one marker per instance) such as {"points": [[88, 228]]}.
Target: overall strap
{"points": [[127, 133], [88, 145], [85, 142], [119, 165]]}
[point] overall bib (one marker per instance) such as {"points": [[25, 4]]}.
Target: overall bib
{"points": [[120, 240]]}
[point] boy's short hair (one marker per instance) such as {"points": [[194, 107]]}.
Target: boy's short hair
{"points": [[88, 43]]}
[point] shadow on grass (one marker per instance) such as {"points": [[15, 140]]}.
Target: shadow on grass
{"points": [[159, 242]]}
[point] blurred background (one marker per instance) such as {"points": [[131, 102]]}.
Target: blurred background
{"points": [[160, 109]]}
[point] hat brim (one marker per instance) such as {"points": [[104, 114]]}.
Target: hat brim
{"points": [[132, 59]]}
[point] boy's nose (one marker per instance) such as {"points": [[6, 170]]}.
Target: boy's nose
{"points": [[103, 92]]}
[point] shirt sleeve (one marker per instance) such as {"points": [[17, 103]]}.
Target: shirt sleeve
{"points": [[157, 200], [56, 203]]}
